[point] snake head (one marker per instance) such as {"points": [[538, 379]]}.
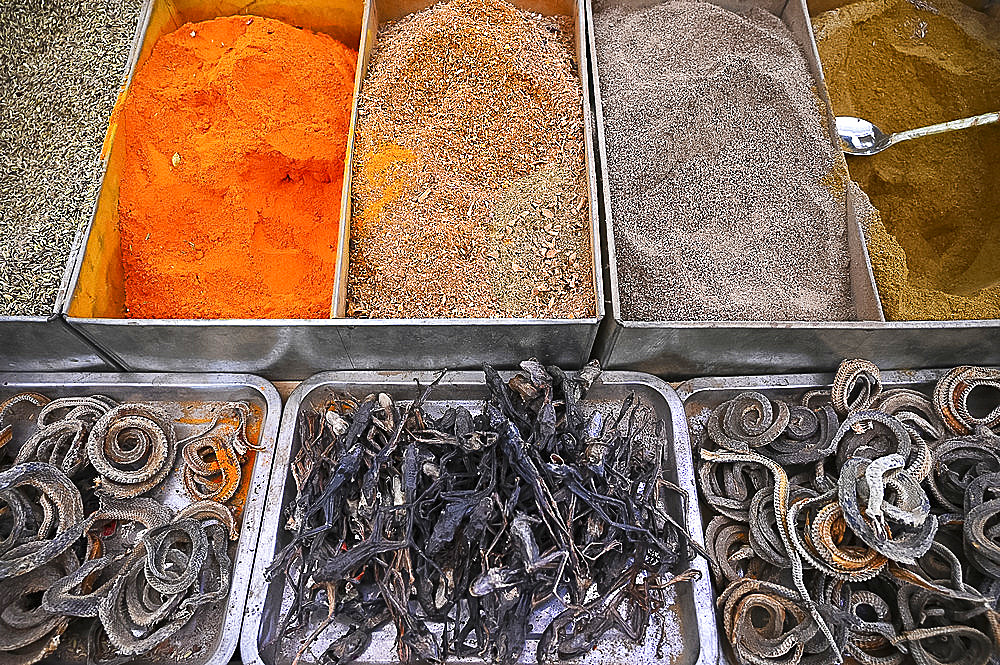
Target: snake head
{"points": [[878, 526]]}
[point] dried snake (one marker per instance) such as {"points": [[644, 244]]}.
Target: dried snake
{"points": [[213, 462], [61, 441], [28, 632], [133, 448], [57, 514], [140, 580], [951, 398], [185, 566], [856, 530]]}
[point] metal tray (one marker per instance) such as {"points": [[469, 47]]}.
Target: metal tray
{"points": [[47, 343], [700, 396], [293, 349], [682, 349], [187, 395], [432, 343], [274, 348], [691, 629]]}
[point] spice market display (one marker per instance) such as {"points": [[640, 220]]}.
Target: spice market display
{"points": [[935, 235], [470, 187], [62, 62], [118, 535], [176, 186], [236, 135], [720, 168], [455, 526], [859, 522]]}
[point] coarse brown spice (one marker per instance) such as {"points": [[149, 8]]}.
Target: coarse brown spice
{"points": [[722, 173], [62, 64], [934, 230], [469, 193]]}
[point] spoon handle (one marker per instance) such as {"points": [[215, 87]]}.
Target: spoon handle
{"points": [[951, 125]]}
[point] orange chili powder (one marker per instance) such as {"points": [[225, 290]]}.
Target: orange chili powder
{"points": [[229, 204]]}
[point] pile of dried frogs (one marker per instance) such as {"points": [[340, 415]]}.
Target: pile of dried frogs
{"points": [[858, 522], [81, 540], [457, 527]]}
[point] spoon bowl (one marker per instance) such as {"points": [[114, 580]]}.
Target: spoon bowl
{"points": [[860, 137]]}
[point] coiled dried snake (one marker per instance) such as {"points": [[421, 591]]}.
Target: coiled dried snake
{"points": [[814, 558]]}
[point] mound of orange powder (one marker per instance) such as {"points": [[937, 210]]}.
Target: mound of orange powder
{"points": [[229, 204]]}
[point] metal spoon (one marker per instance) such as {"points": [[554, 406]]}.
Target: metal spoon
{"points": [[860, 137]]}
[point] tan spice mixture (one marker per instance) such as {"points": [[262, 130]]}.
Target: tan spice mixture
{"points": [[469, 190], [934, 231]]}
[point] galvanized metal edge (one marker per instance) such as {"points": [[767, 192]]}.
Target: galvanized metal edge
{"points": [[270, 521], [338, 309], [75, 258], [604, 197], [589, 121], [605, 342], [820, 325], [253, 511], [688, 389], [709, 652], [867, 301], [338, 303]]}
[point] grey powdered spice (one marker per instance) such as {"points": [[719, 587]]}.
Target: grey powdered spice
{"points": [[62, 63], [722, 176]]}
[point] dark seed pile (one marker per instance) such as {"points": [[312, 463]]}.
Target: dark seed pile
{"points": [[62, 63], [471, 520], [718, 161]]}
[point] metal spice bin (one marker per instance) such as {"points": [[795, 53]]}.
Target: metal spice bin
{"points": [[702, 395], [690, 619], [48, 343], [277, 348], [295, 349], [187, 391], [681, 349], [432, 343]]}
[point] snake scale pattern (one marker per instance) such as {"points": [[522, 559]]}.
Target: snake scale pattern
{"points": [[859, 524], [83, 540]]}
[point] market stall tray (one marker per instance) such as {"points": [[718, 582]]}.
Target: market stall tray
{"points": [[689, 634], [701, 396], [191, 402]]}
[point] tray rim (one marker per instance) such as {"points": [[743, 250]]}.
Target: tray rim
{"points": [[253, 510], [701, 590], [692, 387]]}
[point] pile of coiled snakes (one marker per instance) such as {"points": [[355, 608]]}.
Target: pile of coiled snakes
{"points": [[82, 542], [859, 523]]}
